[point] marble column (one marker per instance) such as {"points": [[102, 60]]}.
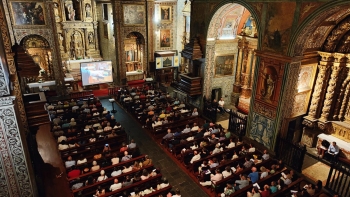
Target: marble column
{"points": [[320, 86], [16, 177], [338, 65]]}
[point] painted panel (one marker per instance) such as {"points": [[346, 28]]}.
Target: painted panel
{"points": [[279, 19], [262, 130]]}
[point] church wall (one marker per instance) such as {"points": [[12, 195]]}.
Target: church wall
{"points": [[106, 35]]}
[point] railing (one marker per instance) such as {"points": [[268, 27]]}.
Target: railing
{"points": [[339, 178], [291, 154], [237, 123]]}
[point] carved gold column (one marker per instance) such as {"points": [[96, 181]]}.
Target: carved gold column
{"points": [[151, 28], [344, 92], [246, 90], [320, 86], [253, 70], [338, 65], [237, 84]]}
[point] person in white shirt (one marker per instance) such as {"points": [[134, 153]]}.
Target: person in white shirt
{"points": [[63, 145], [214, 178], [116, 185], [102, 177], [221, 105], [227, 172], [157, 123], [231, 144], [195, 127], [251, 149], [196, 157], [116, 172], [235, 156], [177, 193], [264, 172], [194, 146], [127, 169], [216, 149], [61, 138], [164, 184], [266, 155], [195, 112], [81, 160]]}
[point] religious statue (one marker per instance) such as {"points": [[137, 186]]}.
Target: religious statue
{"points": [[60, 39], [87, 10], [268, 86], [56, 12], [91, 38], [71, 12]]}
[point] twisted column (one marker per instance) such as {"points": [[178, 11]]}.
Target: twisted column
{"points": [[338, 65], [246, 91], [320, 86]]}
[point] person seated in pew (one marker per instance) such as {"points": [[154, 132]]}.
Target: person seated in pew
{"points": [[280, 184], [213, 163], [74, 172], [100, 191], [65, 124], [95, 167], [213, 178], [116, 185], [216, 149], [117, 125], [145, 174], [165, 121], [76, 184], [70, 162], [222, 136], [102, 176], [263, 172], [254, 175], [194, 145], [157, 123], [227, 172], [147, 161], [137, 177], [127, 181], [105, 163], [257, 159], [266, 155], [126, 156], [206, 133], [243, 182], [124, 147], [187, 129], [190, 137], [136, 166], [63, 145], [81, 159], [231, 144], [194, 112], [72, 122], [273, 188], [196, 157], [132, 144], [213, 139], [215, 130], [310, 188], [254, 192], [127, 168], [164, 183], [108, 127], [286, 177], [251, 148], [116, 171], [195, 127], [228, 190], [85, 169], [234, 156]]}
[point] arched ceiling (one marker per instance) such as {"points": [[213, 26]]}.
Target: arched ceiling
{"points": [[329, 32], [228, 21]]}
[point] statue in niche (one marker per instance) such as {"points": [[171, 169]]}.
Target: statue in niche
{"points": [[76, 46], [88, 10], [60, 39], [56, 11], [268, 86], [91, 38], [71, 12]]}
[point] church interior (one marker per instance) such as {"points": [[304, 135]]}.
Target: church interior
{"points": [[183, 97]]}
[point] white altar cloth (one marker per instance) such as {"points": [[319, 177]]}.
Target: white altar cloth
{"points": [[68, 78], [343, 145]]}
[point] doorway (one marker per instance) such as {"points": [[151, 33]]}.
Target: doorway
{"points": [[216, 94]]}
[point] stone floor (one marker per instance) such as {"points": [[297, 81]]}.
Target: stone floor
{"points": [[169, 169]]}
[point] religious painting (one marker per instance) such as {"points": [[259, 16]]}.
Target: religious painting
{"points": [[165, 13], [130, 51], [224, 64], [28, 13], [159, 63], [262, 130], [134, 14], [105, 30], [279, 23], [167, 61], [305, 79], [269, 81], [165, 38]]}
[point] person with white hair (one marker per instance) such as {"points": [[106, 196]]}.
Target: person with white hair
{"points": [[102, 176]]}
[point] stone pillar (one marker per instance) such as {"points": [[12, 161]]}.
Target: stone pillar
{"points": [[16, 177], [237, 84], [338, 65], [246, 90], [320, 86], [209, 69], [151, 28]]}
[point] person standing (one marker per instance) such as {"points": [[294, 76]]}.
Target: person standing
{"points": [[221, 106], [333, 151]]}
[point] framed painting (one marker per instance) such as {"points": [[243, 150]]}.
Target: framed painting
{"points": [[165, 38], [224, 64], [28, 12], [165, 13], [134, 14], [105, 30]]}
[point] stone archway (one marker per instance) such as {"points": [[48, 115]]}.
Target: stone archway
{"points": [[225, 40]]}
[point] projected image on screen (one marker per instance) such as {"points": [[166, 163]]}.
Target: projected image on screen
{"points": [[96, 72]]}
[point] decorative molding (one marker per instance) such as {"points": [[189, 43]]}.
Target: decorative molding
{"points": [[12, 157], [265, 110]]}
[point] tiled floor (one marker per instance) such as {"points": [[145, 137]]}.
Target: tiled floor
{"points": [[169, 169]]}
